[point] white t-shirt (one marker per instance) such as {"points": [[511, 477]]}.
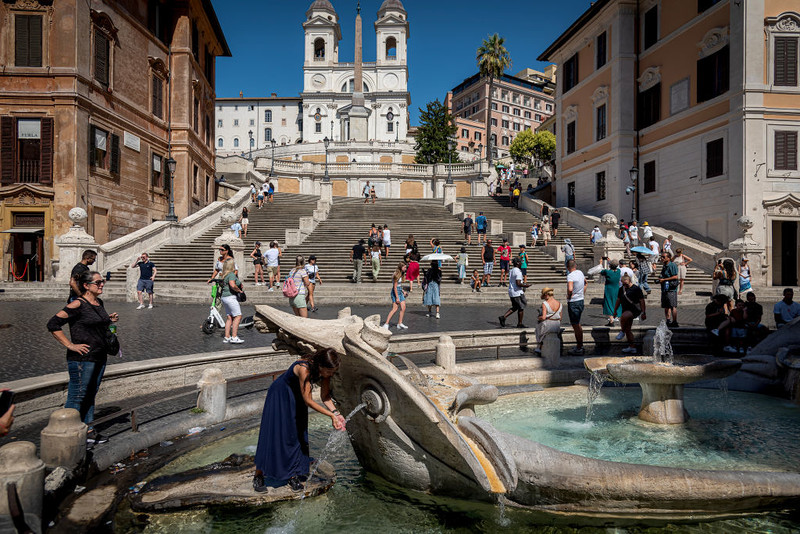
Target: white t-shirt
{"points": [[312, 271], [787, 312], [272, 257], [654, 247], [634, 231], [623, 271], [387, 237], [514, 279], [219, 265], [578, 285], [646, 232]]}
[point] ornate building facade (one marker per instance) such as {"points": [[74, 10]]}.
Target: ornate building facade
{"points": [[94, 98]]}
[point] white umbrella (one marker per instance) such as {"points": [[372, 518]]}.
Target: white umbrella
{"points": [[437, 256]]}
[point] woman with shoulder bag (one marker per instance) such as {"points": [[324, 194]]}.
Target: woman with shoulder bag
{"points": [[727, 278], [231, 289], [87, 351], [632, 301], [549, 317]]}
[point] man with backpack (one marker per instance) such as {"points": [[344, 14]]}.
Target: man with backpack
{"points": [[357, 259], [468, 228]]}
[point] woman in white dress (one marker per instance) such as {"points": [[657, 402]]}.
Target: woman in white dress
{"points": [[549, 317], [681, 260]]}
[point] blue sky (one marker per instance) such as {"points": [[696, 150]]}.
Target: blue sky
{"points": [[266, 40]]}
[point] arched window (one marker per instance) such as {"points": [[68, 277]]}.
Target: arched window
{"points": [[220, 143], [235, 142], [319, 48], [268, 134], [349, 87], [391, 48]]}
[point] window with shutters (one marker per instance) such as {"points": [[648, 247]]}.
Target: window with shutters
{"points": [[104, 150], [195, 181], [649, 106], [268, 134], [715, 154], [713, 75], [600, 122], [505, 123], [157, 172], [786, 61], [28, 40], [102, 58], [571, 195], [570, 73], [649, 177], [208, 132], [600, 186], [158, 96], [505, 140], [571, 137], [26, 150], [785, 150]]}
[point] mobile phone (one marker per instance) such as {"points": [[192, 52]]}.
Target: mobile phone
{"points": [[6, 400]]}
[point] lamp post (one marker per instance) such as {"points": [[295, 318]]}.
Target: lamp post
{"points": [[450, 146], [250, 148], [272, 167], [480, 158], [171, 169], [634, 173], [327, 142], [397, 131]]}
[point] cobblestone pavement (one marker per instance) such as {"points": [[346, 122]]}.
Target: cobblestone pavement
{"points": [[172, 330]]}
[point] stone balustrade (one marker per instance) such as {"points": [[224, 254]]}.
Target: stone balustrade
{"points": [[316, 170]]}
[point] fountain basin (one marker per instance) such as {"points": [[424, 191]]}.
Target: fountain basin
{"points": [[662, 383]]}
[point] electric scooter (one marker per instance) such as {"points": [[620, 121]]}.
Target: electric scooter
{"points": [[215, 317]]}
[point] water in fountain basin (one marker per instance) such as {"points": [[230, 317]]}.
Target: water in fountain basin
{"points": [[662, 348]]}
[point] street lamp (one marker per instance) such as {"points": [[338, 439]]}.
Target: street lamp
{"points": [[634, 173], [327, 142], [171, 170], [273, 142], [250, 151], [397, 131], [450, 146]]}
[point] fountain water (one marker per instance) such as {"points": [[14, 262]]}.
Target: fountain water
{"points": [[596, 381], [662, 346]]}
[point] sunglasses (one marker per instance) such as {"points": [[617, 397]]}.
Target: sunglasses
{"points": [[98, 282]]}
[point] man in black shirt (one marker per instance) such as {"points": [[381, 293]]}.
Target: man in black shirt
{"points": [[487, 256], [554, 218], [147, 276], [357, 259], [468, 228], [88, 258]]}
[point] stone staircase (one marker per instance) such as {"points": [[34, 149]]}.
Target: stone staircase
{"points": [[192, 262]]}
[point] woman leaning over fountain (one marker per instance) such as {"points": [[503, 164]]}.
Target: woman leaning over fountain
{"points": [[282, 454], [88, 348], [631, 299]]}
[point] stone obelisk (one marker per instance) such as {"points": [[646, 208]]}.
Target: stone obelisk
{"points": [[359, 114]]}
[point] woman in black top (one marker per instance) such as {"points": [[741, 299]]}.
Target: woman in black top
{"points": [[86, 352], [632, 301], [245, 220], [258, 263]]}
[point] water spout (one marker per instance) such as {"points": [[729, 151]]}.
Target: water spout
{"points": [[662, 347], [596, 381], [502, 519]]}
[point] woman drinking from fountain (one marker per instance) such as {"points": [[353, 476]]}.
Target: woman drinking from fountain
{"points": [[282, 454]]}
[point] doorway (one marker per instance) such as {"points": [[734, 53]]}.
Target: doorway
{"points": [[27, 256], [785, 244]]}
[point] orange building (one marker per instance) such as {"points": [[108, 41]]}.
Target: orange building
{"points": [[702, 98], [94, 97]]}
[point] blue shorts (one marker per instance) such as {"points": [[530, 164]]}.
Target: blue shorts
{"points": [[575, 310], [260, 196], [145, 285], [524, 271], [400, 298], [504, 265], [481, 230], [738, 333]]}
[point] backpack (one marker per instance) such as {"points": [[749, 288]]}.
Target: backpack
{"points": [[289, 288]]}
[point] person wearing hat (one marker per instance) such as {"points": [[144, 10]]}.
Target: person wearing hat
{"points": [[313, 280], [258, 263], [647, 232], [523, 258]]}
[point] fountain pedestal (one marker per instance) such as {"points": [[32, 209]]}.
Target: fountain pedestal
{"points": [[663, 404]]}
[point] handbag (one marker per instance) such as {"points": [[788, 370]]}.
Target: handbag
{"points": [[241, 296], [112, 341]]}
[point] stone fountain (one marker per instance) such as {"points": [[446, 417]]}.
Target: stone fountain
{"points": [[662, 378], [420, 431]]}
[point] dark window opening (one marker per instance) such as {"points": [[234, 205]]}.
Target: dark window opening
{"points": [[571, 137], [391, 48], [195, 41], [157, 172], [702, 5], [651, 27], [208, 67], [650, 177], [649, 106], [28, 40], [715, 158], [196, 118], [786, 151], [571, 73], [713, 75], [601, 122], [600, 185], [601, 50], [319, 48], [571, 195]]}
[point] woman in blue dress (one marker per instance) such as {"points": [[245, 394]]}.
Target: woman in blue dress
{"points": [[433, 277], [282, 455], [612, 285], [398, 296]]}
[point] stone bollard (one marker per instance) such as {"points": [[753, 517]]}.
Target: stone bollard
{"points": [[446, 354], [495, 226], [551, 349], [517, 239], [213, 396], [648, 342], [63, 440], [457, 208], [19, 464], [450, 194]]}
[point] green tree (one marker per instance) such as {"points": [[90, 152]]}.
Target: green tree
{"points": [[544, 145], [523, 146], [435, 128], [493, 59]]}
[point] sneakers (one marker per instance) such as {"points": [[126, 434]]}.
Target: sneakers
{"points": [[271, 289], [140, 307], [577, 351], [715, 331], [427, 314], [730, 349], [150, 307], [258, 284], [95, 439], [629, 350], [520, 325], [386, 326], [673, 324], [502, 321], [437, 315], [620, 336], [258, 484], [401, 326], [226, 340], [235, 340]]}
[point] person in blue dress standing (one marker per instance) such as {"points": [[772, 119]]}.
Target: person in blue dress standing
{"points": [[432, 279], [282, 454]]}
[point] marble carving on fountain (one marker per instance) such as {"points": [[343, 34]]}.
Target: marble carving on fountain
{"points": [[420, 431]]}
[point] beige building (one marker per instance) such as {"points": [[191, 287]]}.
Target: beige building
{"points": [[703, 99], [94, 97], [518, 104]]}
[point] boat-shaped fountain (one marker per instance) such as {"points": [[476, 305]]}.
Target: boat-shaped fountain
{"points": [[420, 431]]}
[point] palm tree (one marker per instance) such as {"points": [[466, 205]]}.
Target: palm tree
{"points": [[493, 59]]}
